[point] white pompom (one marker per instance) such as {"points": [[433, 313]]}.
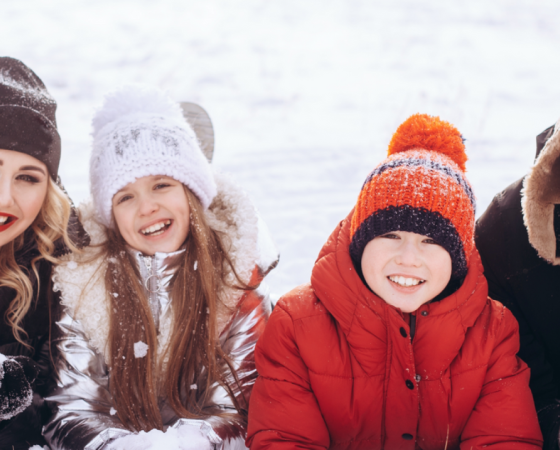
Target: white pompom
{"points": [[134, 99]]}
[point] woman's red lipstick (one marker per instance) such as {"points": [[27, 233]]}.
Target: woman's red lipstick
{"points": [[9, 221]]}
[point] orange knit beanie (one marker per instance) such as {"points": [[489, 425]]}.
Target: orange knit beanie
{"points": [[420, 188]]}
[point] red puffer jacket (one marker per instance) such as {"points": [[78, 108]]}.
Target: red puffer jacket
{"points": [[337, 369]]}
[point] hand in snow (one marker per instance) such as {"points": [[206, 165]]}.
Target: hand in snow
{"points": [[182, 438], [17, 374]]}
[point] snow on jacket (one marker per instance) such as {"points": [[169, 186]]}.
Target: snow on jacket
{"points": [[24, 429], [523, 272], [338, 369], [83, 400]]}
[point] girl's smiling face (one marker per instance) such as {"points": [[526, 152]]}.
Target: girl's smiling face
{"points": [[406, 269], [23, 188], [152, 214]]}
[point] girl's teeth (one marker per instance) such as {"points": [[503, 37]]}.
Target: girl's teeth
{"points": [[156, 227], [3, 219]]}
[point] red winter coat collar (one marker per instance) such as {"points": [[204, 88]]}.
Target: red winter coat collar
{"points": [[338, 369], [354, 308]]}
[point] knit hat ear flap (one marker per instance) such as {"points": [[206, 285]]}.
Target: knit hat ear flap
{"points": [[420, 188]]}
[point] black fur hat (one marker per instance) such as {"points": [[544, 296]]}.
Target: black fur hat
{"points": [[27, 115]]}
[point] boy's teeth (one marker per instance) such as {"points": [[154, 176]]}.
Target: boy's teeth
{"points": [[406, 281], [156, 227]]}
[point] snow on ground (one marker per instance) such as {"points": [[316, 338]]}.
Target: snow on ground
{"points": [[305, 95], [182, 438]]}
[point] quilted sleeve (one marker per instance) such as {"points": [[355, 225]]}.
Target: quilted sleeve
{"points": [[283, 411], [504, 417]]}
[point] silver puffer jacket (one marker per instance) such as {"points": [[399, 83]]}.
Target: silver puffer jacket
{"points": [[84, 417]]}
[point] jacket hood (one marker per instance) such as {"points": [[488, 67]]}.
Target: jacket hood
{"points": [[541, 192], [342, 292], [250, 247]]}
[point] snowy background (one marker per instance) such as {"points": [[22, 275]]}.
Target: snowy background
{"points": [[305, 95]]}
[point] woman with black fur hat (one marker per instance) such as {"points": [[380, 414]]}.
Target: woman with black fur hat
{"points": [[36, 225]]}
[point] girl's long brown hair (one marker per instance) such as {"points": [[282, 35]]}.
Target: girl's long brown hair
{"points": [[193, 354], [50, 225]]}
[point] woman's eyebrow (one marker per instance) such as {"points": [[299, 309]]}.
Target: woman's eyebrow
{"points": [[38, 169]]}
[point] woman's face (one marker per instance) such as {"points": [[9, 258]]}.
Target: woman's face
{"points": [[152, 214], [23, 187], [406, 269]]}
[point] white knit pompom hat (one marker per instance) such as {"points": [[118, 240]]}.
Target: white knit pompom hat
{"points": [[137, 132]]}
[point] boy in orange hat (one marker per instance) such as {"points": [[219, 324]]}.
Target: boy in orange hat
{"points": [[395, 344]]}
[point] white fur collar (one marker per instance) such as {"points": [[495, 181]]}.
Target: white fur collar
{"points": [[541, 191], [82, 286]]}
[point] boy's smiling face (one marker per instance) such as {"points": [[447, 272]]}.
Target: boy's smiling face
{"points": [[406, 269]]}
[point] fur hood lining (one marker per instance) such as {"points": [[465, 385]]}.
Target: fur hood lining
{"points": [[541, 192]]}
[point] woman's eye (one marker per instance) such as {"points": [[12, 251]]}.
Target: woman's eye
{"points": [[28, 178], [429, 241]]}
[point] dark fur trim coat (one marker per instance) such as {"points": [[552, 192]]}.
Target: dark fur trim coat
{"points": [[519, 248]]}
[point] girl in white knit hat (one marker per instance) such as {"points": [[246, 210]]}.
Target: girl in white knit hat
{"points": [[163, 310]]}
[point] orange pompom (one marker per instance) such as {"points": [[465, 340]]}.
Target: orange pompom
{"points": [[421, 131]]}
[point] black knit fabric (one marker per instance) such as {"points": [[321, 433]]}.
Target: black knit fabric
{"points": [[414, 220], [27, 115]]}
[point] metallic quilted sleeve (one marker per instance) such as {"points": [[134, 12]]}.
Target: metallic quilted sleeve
{"points": [[238, 341], [81, 401]]}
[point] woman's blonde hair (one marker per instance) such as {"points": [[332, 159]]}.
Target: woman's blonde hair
{"points": [[194, 355], [50, 225]]}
